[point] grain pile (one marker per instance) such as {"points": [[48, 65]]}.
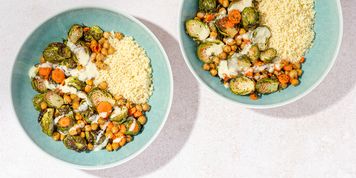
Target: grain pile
{"points": [[291, 23], [129, 72]]}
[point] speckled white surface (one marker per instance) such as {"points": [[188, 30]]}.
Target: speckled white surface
{"points": [[204, 136]]}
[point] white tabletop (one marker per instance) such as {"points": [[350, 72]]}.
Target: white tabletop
{"points": [[204, 136]]}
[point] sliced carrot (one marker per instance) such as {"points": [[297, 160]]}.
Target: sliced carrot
{"points": [[104, 106], [64, 122], [234, 16], [253, 96], [288, 67], [44, 72], [132, 111], [58, 75], [85, 29], [302, 60], [249, 74], [283, 78], [209, 17]]}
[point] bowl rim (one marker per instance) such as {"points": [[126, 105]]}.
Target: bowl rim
{"points": [[157, 132], [267, 106]]}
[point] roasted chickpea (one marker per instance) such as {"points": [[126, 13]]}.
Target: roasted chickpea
{"points": [[108, 147], [200, 15], [115, 146], [294, 82], [94, 126], [227, 48], [222, 55], [88, 88], [213, 72], [56, 136], [90, 146], [106, 35], [103, 85], [146, 107], [142, 120], [206, 67], [43, 105]]}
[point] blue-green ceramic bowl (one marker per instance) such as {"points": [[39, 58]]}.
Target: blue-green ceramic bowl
{"points": [[55, 29], [319, 59]]}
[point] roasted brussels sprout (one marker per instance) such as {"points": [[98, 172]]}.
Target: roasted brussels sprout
{"points": [[242, 85], [254, 53], [207, 50], [97, 95], [37, 100], [71, 62], [87, 114], [250, 17], [260, 36], [53, 99], [39, 85], [73, 81], [75, 33], [267, 85], [75, 143], [82, 44], [223, 29], [243, 62], [119, 115], [207, 5], [133, 127], [56, 52], [197, 29], [90, 137], [63, 110], [95, 32], [46, 121], [268, 55], [65, 123]]}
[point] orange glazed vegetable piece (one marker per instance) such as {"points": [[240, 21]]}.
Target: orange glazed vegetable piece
{"points": [[58, 75], [234, 16], [283, 78], [104, 106], [44, 72], [64, 122]]}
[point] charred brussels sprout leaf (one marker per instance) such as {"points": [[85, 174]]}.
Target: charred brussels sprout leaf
{"points": [[197, 29], [37, 100], [63, 110], [75, 143], [242, 86], [223, 29], [261, 36], [46, 121], [73, 81], [267, 85], [87, 114], [39, 85], [96, 96], [119, 115], [82, 44], [268, 55], [250, 17], [254, 53], [95, 32], [71, 62], [243, 62], [75, 33], [209, 49], [56, 52], [53, 99], [133, 127], [207, 5], [90, 136]]}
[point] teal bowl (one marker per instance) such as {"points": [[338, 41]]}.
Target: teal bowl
{"points": [[319, 59], [55, 29]]}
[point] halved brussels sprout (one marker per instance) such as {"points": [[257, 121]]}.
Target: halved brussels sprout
{"points": [[243, 62], [119, 115], [37, 100], [97, 95], [39, 85], [242, 85], [254, 53], [226, 31], [82, 44], [207, 5], [267, 85], [133, 127], [73, 81], [197, 29], [260, 36], [87, 114], [75, 143], [75, 33], [53, 99], [71, 62], [56, 52], [95, 32], [46, 121], [250, 17], [65, 123], [268, 55], [64, 109], [207, 50]]}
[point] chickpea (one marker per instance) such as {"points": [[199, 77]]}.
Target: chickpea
{"points": [[296, 65], [294, 82], [111, 50], [233, 48], [102, 40], [117, 97], [119, 35], [137, 114], [81, 122], [108, 147], [87, 128], [284, 85], [56, 136], [78, 116], [43, 105], [103, 85], [73, 132], [62, 137], [231, 53], [300, 72], [293, 74], [212, 66], [104, 51], [225, 3], [90, 146], [94, 126], [106, 45], [139, 107], [213, 72], [216, 60], [200, 15], [115, 129], [222, 55], [128, 138], [213, 34], [243, 45], [106, 35], [242, 31], [88, 88], [109, 134], [230, 42], [121, 102], [206, 67], [75, 105], [89, 82], [146, 107], [227, 48], [100, 57], [82, 134], [122, 128], [73, 96], [115, 146], [93, 57], [142, 120], [222, 10], [123, 141], [101, 121], [238, 41]]}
